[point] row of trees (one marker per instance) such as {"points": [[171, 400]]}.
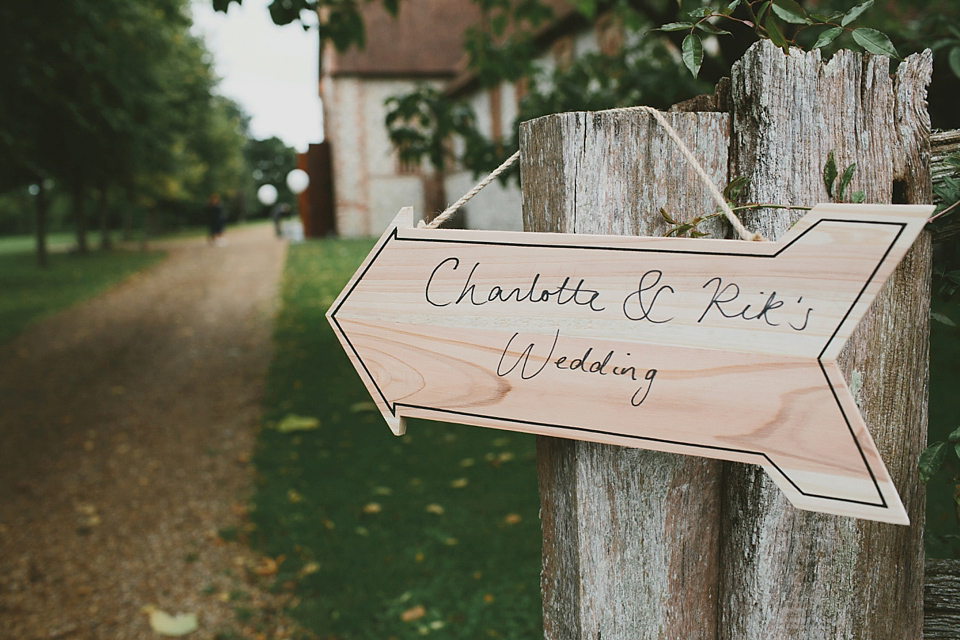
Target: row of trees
{"points": [[109, 100]]}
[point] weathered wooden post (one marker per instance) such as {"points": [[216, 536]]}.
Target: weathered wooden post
{"points": [[794, 574], [630, 537], [647, 545]]}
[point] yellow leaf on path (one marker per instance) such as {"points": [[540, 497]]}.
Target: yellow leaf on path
{"points": [[414, 613], [293, 422], [168, 625]]}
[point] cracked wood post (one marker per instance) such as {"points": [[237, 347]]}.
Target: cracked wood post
{"points": [[630, 537], [796, 574]]}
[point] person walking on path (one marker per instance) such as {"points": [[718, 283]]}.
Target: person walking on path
{"points": [[215, 220]]}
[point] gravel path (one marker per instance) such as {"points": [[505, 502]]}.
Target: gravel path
{"points": [[126, 426]]}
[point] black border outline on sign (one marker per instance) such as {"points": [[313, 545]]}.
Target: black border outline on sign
{"points": [[394, 235]]}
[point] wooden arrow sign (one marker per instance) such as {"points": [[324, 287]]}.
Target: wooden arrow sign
{"points": [[718, 348]]}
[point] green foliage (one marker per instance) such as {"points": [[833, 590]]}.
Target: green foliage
{"points": [[838, 191], [269, 161], [943, 512], [422, 123], [643, 72], [337, 21], [116, 97], [783, 22], [435, 533]]}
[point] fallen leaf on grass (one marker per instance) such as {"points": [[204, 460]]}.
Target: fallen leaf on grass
{"points": [[372, 507], [293, 422], [413, 613], [360, 407], [269, 566], [513, 518], [168, 625], [309, 568], [459, 483], [435, 508]]}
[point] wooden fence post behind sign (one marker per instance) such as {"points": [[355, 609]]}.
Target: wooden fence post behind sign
{"points": [[630, 537], [796, 574]]}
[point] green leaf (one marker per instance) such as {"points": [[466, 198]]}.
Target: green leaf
{"points": [[692, 53], [587, 8], [855, 13], [706, 27], [875, 42], [931, 459], [763, 11], [701, 12], [954, 60], [790, 11], [942, 319], [731, 7], [666, 216], [776, 36], [675, 26], [498, 23], [732, 190], [845, 181], [858, 197], [828, 36], [830, 173], [955, 436]]}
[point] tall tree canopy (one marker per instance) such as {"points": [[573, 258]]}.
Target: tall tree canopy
{"points": [[112, 94]]}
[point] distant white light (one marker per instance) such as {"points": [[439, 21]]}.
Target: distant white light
{"points": [[267, 194], [298, 180], [34, 189]]}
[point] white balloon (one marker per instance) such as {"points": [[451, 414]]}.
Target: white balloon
{"points": [[267, 194], [298, 180]]}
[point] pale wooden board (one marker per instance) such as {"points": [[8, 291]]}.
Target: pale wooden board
{"points": [[424, 324]]}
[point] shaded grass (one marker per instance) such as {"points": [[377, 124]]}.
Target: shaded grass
{"points": [[26, 243], [439, 527], [28, 292], [943, 523]]}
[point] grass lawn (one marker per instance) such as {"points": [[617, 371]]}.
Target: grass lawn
{"points": [[435, 533], [28, 292]]}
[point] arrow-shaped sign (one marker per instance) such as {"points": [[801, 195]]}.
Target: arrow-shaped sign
{"points": [[718, 348]]}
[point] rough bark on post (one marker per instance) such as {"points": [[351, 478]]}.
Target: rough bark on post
{"points": [[795, 574], [630, 537]]}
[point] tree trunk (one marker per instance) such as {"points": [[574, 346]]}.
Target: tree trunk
{"points": [[42, 207], [102, 215], [80, 217], [795, 574], [630, 537]]}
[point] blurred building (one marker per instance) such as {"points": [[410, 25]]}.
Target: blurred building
{"points": [[423, 44]]}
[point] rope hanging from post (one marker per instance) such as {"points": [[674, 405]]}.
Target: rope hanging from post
{"points": [[742, 231]]}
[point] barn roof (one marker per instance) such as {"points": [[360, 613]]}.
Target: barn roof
{"points": [[424, 39]]}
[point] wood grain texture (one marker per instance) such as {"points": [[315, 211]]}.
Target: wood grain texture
{"points": [[630, 537], [789, 574], [941, 600], [620, 332]]}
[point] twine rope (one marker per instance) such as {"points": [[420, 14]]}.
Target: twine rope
{"points": [[452, 209], [741, 230]]}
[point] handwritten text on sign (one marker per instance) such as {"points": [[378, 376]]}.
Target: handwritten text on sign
{"points": [[718, 348]]}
